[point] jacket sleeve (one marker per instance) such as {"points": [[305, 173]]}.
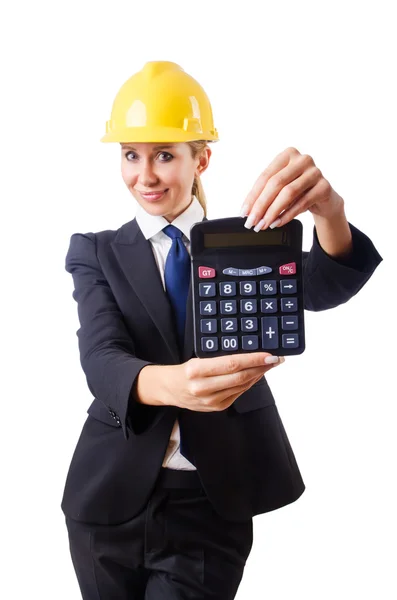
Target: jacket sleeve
{"points": [[107, 353], [329, 282]]}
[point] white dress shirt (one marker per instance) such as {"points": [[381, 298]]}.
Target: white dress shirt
{"points": [[151, 227]]}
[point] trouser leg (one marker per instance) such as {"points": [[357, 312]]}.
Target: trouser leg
{"points": [[177, 548], [108, 559], [192, 552]]}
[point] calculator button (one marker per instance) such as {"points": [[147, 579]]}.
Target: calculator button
{"points": [[290, 340], [249, 342], [209, 344], [245, 272], [289, 322], [208, 325], [228, 307], [288, 286], [289, 304], [269, 333], [208, 308], [269, 305], [288, 269], [248, 306], [206, 272], [229, 324], [227, 288], [268, 288], [247, 288], [249, 324], [207, 289], [230, 342], [263, 270], [230, 271]]}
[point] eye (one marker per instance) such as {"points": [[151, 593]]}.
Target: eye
{"points": [[160, 153], [168, 154]]}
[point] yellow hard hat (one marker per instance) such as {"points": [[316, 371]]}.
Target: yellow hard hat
{"points": [[161, 103]]}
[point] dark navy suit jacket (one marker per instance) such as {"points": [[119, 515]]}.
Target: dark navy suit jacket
{"points": [[242, 454]]}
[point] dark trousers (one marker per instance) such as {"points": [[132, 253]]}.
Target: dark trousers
{"points": [[177, 548]]}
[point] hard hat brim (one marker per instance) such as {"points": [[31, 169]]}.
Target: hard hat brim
{"points": [[165, 134]]}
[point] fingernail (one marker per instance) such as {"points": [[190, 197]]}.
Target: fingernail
{"points": [[275, 224], [244, 210], [259, 225], [270, 360], [282, 359], [250, 221]]}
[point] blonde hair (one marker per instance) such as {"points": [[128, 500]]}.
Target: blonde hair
{"points": [[196, 148]]}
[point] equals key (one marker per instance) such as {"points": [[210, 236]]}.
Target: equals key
{"points": [[290, 340]]}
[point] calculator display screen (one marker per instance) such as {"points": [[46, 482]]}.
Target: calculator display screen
{"points": [[230, 240]]}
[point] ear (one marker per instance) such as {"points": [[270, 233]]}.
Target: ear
{"points": [[204, 161]]}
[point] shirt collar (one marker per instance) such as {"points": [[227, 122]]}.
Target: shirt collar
{"points": [[150, 225]]}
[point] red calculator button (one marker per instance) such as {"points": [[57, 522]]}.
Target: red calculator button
{"points": [[206, 272], [288, 269]]}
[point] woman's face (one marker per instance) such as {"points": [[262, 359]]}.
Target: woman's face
{"points": [[155, 167]]}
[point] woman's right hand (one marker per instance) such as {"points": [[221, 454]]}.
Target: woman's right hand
{"points": [[213, 384]]}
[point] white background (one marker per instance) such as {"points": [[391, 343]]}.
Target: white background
{"points": [[318, 76]]}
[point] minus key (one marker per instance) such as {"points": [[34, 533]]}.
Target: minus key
{"points": [[289, 323]]}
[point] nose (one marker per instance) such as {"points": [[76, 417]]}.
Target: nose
{"points": [[147, 176]]}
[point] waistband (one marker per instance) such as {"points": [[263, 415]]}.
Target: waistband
{"points": [[175, 478]]}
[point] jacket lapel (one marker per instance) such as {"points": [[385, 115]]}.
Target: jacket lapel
{"points": [[135, 256]]}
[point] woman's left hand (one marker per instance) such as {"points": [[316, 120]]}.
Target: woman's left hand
{"points": [[290, 185]]}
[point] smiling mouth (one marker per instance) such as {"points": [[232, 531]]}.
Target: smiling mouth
{"points": [[153, 195]]}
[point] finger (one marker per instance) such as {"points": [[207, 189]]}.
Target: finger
{"points": [[244, 378], [306, 201], [223, 365], [289, 196], [238, 390], [274, 190], [274, 167]]}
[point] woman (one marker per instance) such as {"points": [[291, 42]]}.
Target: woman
{"points": [[179, 453]]}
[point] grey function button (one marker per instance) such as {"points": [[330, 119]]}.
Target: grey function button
{"points": [[245, 272], [263, 270], [230, 271]]}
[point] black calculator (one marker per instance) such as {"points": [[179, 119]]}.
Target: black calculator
{"points": [[247, 288]]}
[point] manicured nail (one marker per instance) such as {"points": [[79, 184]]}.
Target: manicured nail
{"points": [[270, 360], [275, 224], [250, 221], [244, 210], [259, 225]]}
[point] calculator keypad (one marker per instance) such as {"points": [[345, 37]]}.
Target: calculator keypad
{"points": [[254, 316]]}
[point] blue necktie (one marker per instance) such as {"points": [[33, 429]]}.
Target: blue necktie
{"points": [[177, 280]]}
